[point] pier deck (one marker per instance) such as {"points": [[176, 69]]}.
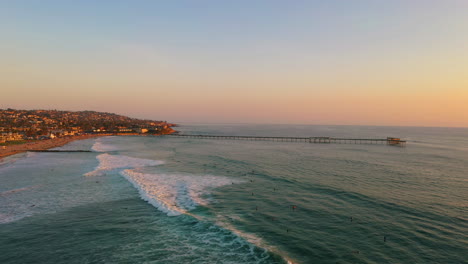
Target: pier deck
{"points": [[51, 150], [318, 140]]}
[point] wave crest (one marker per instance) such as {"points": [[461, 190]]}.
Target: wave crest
{"points": [[108, 162], [175, 194], [100, 146]]}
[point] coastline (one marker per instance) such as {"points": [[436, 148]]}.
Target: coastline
{"points": [[58, 142], [41, 145]]}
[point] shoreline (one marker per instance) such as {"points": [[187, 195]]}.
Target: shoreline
{"points": [[58, 142], [41, 145]]}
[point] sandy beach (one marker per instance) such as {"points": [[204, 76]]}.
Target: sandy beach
{"points": [[40, 145]]}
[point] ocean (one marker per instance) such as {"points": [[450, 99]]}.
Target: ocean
{"points": [[182, 200]]}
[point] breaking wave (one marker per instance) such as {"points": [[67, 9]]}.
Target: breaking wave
{"points": [[108, 163], [100, 146], [175, 194], [171, 193]]}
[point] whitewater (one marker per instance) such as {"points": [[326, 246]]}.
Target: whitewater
{"points": [[172, 200]]}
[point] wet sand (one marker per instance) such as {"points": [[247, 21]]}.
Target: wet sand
{"points": [[40, 145]]}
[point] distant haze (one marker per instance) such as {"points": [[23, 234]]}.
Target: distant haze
{"points": [[353, 62]]}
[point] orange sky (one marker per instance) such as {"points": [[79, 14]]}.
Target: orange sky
{"points": [[401, 63]]}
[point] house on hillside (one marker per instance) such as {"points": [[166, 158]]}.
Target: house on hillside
{"points": [[141, 130]]}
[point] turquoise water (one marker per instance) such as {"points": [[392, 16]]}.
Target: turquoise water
{"points": [[180, 200]]}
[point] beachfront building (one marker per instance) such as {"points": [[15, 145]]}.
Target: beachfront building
{"points": [[125, 130], [4, 137], [141, 130], [64, 132]]}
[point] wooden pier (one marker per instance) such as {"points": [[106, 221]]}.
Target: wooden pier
{"points": [[51, 150], [317, 140]]}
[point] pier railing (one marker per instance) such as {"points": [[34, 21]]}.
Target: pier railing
{"points": [[318, 140]]}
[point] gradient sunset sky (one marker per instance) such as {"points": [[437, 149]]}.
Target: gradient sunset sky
{"points": [[349, 62]]}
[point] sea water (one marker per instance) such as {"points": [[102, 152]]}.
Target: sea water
{"points": [[182, 200]]}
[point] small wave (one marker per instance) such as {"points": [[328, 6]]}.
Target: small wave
{"points": [[11, 211], [5, 193], [6, 161], [108, 162], [224, 222], [8, 218], [175, 194]]}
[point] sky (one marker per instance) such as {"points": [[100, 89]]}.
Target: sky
{"points": [[334, 62]]}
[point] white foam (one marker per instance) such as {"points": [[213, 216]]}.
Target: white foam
{"points": [[100, 146], [108, 162], [225, 222], [175, 194]]}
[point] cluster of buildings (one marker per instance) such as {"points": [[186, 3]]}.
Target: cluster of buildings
{"points": [[16, 125], [156, 129], [10, 136]]}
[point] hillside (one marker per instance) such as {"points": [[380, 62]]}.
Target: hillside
{"points": [[33, 123]]}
